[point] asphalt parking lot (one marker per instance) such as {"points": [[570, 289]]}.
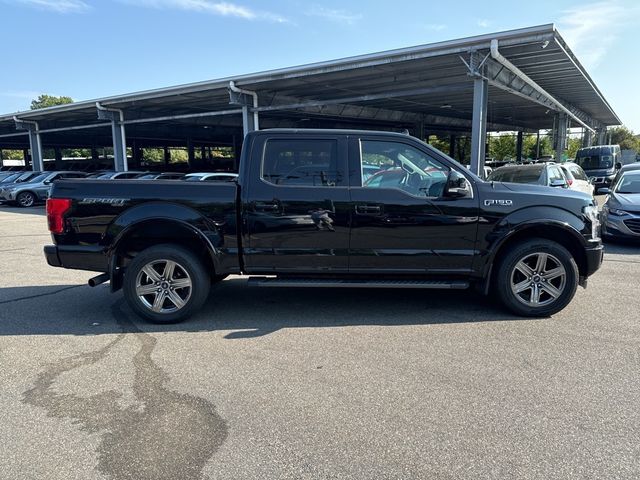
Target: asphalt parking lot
{"points": [[269, 383]]}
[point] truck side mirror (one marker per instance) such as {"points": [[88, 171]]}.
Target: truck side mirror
{"points": [[618, 165], [457, 186]]}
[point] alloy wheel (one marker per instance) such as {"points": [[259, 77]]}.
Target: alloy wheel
{"points": [[538, 279], [163, 286], [26, 199]]}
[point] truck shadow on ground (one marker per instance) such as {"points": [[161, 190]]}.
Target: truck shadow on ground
{"points": [[244, 311]]}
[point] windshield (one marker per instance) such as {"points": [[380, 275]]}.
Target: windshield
{"points": [[192, 178], [629, 183], [10, 178], [595, 161], [37, 178], [509, 175], [26, 176]]}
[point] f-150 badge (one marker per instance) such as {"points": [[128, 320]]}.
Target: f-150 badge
{"points": [[499, 203]]}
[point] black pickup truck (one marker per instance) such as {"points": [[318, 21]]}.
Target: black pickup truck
{"points": [[328, 208]]}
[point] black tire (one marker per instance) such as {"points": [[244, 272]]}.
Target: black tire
{"points": [[26, 199], [553, 293], [188, 268]]}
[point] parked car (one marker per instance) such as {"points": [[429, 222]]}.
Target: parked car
{"points": [[600, 163], [548, 174], [625, 168], [5, 175], [27, 194], [128, 175], [621, 209], [162, 176], [210, 177], [577, 178], [487, 169], [165, 243]]}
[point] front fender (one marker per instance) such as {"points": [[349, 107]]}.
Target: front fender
{"points": [[531, 219]]}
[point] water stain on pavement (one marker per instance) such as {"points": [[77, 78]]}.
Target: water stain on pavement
{"points": [[171, 437]]}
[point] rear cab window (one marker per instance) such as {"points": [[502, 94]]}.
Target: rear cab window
{"points": [[302, 162]]}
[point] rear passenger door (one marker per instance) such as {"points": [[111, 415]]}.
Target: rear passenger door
{"points": [[296, 205]]}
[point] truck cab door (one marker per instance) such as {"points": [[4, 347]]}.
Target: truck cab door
{"points": [[403, 222], [296, 204]]}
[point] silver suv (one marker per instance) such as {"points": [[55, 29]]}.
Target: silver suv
{"points": [[34, 190]]}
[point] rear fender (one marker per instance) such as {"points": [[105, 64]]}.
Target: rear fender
{"points": [[147, 215]]}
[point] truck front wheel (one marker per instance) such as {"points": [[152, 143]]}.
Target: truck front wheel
{"points": [[166, 284], [537, 278]]}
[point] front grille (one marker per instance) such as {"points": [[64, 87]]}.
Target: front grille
{"points": [[633, 225]]}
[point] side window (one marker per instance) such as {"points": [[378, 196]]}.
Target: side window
{"points": [[556, 175], [402, 166], [312, 163], [578, 173]]}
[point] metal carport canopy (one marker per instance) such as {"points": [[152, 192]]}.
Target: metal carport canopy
{"points": [[427, 85]]}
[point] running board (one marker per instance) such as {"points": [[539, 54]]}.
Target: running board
{"points": [[348, 283]]}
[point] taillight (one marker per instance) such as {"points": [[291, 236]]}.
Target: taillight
{"points": [[56, 208], [569, 181]]}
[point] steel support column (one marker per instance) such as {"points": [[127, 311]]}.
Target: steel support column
{"points": [[587, 138], [601, 132], [519, 147], [247, 121], [452, 145], [118, 134], [35, 143], [479, 125], [58, 156], [560, 135]]}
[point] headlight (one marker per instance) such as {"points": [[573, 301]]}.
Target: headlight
{"points": [[616, 211], [591, 213]]}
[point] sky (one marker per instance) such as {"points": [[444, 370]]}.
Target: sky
{"points": [[95, 48]]}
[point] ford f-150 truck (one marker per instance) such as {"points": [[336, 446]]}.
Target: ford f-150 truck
{"points": [[328, 208]]}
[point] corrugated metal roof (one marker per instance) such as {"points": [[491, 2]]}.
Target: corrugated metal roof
{"points": [[435, 68]]}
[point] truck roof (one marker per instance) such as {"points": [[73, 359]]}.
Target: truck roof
{"points": [[330, 131]]}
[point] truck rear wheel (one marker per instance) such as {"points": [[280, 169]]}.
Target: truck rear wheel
{"points": [[537, 278], [166, 284]]}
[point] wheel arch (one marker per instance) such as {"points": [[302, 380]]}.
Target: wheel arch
{"points": [[149, 232], [558, 232]]}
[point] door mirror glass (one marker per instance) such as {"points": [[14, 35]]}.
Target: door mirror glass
{"points": [[457, 186]]}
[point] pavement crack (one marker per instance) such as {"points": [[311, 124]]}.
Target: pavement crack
{"points": [[172, 437], [29, 297]]}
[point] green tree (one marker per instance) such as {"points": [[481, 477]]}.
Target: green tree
{"points": [[44, 101], [624, 137], [502, 147], [529, 149], [573, 144], [441, 144], [12, 155]]}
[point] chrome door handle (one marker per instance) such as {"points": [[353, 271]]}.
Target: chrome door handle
{"points": [[368, 209]]}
